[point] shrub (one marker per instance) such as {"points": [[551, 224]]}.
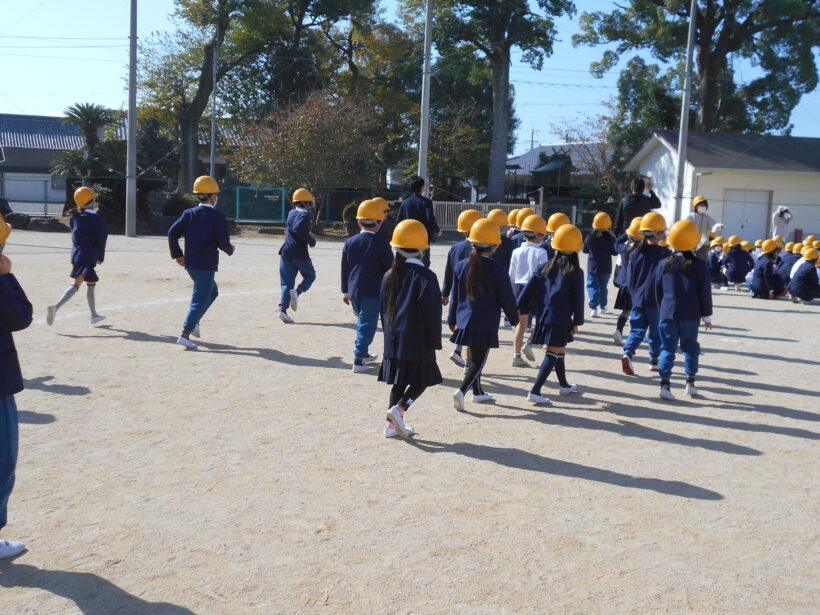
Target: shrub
{"points": [[176, 204]]}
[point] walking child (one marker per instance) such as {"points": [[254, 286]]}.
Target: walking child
{"points": [[766, 283], [480, 291], [512, 220], [366, 257], [554, 222], [685, 298], [623, 300], [294, 256], [410, 307], [600, 245], [518, 237], [503, 253], [89, 235]]}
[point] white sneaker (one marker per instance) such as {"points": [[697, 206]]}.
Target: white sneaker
{"points": [[739, 287], [692, 390], [294, 300], [618, 338], [97, 318], [568, 390], [195, 332], [283, 316], [526, 350], [372, 358], [519, 362], [666, 393], [458, 400], [51, 312], [724, 288], [456, 358], [593, 313], [10, 548], [184, 341], [537, 399], [604, 310], [360, 369], [390, 431], [395, 418], [483, 397]]}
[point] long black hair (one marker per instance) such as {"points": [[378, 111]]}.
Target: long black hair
{"points": [[598, 233], [475, 273], [567, 262], [392, 283], [686, 259]]}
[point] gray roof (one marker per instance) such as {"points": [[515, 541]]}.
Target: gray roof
{"points": [[530, 161], [748, 151]]}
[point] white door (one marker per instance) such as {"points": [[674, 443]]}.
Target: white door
{"points": [[746, 213]]}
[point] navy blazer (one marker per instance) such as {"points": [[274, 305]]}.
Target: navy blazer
{"points": [[88, 235], [15, 315], [458, 251], [547, 245], [763, 281], [641, 274], [738, 263], [414, 331], [503, 253], [788, 261], [297, 237], [206, 232], [600, 253], [622, 245], [420, 208], [366, 257], [805, 284], [683, 297], [517, 239], [562, 297], [482, 315]]}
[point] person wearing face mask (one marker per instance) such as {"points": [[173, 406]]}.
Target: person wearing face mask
{"points": [[781, 219], [704, 222], [88, 236], [206, 232], [639, 202]]}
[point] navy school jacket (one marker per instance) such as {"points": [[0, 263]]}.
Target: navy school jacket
{"points": [[414, 331], [517, 239], [683, 297], [297, 237], [600, 252], [483, 313], [641, 275], [503, 253], [763, 279], [805, 283], [788, 261], [88, 236], [386, 230], [206, 232], [457, 252], [622, 245], [738, 263], [420, 208], [366, 257], [562, 301], [15, 315], [547, 245]]}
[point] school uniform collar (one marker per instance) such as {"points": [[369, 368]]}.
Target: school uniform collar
{"points": [[211, 205], [366, 231], [414, 261], [300, 208]]}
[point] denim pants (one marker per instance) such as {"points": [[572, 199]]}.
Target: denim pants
{"points": [[8, 453], [643, 323], [368, 311], [685, 331], [288, 268], [204, 294], [596, 289]]}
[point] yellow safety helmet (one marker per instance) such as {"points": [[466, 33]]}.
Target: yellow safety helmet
{"points": [[719, 241], [205, 184], [410, 235], [602, 221], [522, 215], [698, 200], [302, 195], [805, 249], [5, 229], [809, 238], [634, 230], [684, 235], [370, 210], [535, 224], [382, 203], [653, 222], [485, 232], [778, 240], [83, 196], [567, 239], [512, 217], [758, 243], [811, 254], [816, 244], [789, 246], [499, 216], [734, 240], [556, 221], [466, 219], [769, 245], [747, 246], [797, 248], [713, 243], [726, 247]]}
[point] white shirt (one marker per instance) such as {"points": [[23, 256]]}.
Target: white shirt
{"points": [[796, 266], [526, 261], [704, 222]]}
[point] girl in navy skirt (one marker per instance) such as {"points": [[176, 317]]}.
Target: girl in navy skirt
{"points": [[480, 290], [623, 300], [88, 235], [563, 312], [410, 306]]}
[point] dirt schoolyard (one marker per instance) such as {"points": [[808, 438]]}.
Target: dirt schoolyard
{"points": [[252, 476]]}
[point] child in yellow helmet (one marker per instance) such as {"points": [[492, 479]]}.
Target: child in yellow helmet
{"points": [[294, 257], [600, 245]]}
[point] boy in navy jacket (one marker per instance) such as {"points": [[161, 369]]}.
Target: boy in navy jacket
{"points": [[206, 232], [805, 285], [738, 263], [766, 283], [600, 245], [293, 255], [15, 315], [366, 257]]}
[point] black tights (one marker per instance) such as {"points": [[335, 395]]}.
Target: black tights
{"points": [[472, 376], [402, 394]]}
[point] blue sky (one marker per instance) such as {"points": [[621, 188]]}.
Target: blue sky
{"points": [[45, 75]]}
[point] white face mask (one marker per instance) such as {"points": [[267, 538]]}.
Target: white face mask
{"points": [[700, 209], [717, 249]]}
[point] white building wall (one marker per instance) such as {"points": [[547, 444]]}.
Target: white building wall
{"points": [[661, 167]]}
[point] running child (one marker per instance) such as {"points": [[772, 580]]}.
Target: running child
{"points": [[600, 245], [623, 300], [89, 235], [685, 298], [410, 307], [480, 291], [805, 285], [366, 257], [737, 263], [293, 255], [766, 283]]}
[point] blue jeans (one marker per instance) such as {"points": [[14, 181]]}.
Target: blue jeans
{"points": [[643, 323], [204, 294], [288, 268], [8, 453], [368, 310], [687, 332], [596, 289]]}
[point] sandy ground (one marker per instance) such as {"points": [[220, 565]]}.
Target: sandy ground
{"points": [[252, 476]]}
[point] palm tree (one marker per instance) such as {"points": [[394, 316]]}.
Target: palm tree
{"points": [[71, 163], [89, 117]]}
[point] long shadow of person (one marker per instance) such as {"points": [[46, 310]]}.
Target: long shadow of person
{"points": [[35, 418], [41, 384], [522, 460], [92, 594]]}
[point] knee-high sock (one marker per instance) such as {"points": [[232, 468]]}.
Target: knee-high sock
{"points": [[89, 295], [69, 292], [412, 393], [544, 371], [479, 357], [396, 393], [621, 323], [561, 371]]}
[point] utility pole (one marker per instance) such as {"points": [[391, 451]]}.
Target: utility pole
{"points": [[683, 133], [424, 132], [212, 171], [131, 150]]}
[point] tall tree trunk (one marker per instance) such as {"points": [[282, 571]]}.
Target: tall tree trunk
{"points": [[501, 126], [708, 70]]}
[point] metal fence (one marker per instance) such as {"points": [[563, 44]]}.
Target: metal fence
{"points": [[42, 196]]}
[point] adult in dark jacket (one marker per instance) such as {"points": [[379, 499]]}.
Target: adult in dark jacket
{"points": [[206, 232], [88, 237], [805, 285], [294, 256], [419, 207], [639, 202], [15, 315]]}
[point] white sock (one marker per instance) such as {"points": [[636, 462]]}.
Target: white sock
{"points": [[89, 295], [69, 292]]}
